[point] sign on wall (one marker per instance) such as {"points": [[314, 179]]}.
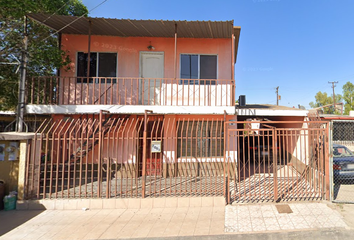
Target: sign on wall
{"points": [[155, 146]]}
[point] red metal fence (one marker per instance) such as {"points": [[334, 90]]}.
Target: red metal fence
{"points": [[278, 164], [130, 91], [119, 156], [124, 156]]}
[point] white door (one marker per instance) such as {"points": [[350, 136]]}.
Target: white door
{"points": [[151, 72]]}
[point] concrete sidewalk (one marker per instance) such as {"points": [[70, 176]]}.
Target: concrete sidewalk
{"points": [[307, 221]]}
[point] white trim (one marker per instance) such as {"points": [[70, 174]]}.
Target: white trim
{"points": [[219, 159], [262, 112], [140, 109], [141, 84], [127, 109], [151, 53], [7, 113]]}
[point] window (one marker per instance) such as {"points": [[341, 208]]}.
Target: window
{"points": [[195, 66], [200, 139], [101, 65]]}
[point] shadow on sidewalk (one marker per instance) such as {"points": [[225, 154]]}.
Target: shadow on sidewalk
{"points": [[12, 219]]}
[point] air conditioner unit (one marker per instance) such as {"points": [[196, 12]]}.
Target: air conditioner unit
{"points": [[242, 100]]}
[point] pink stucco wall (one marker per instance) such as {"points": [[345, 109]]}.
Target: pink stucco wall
{"points": [[121, 144], [128, 49]]}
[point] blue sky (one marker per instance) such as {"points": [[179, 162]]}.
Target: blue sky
{"points": [[297, 45]]}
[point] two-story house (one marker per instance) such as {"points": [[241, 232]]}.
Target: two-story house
{"points": [[147, 109], [139, 111]]}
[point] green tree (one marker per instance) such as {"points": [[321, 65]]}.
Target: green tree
{"points": [[348, 97], [44, 56], [322, 99]]}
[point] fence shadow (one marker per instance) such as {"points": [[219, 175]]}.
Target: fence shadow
{"points": [[10, 220]]}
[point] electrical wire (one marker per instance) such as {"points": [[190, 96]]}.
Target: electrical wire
{"points": [[73, 21], [56, 11]]}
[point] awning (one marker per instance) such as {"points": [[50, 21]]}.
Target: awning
{"points": [[138, 28], [135, 28]]}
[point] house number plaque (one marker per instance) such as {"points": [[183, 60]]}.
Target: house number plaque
{"points": [[155, 146]]}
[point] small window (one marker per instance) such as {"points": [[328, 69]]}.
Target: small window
{"points": [[101, 65], [202, 67]]}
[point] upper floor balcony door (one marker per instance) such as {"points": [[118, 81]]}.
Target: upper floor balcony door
{"points": [[151, 72]]}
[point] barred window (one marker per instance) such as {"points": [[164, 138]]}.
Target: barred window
{"points": [[200, 138]]}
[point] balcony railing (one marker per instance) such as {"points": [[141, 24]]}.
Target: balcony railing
{"points": [[130, 91]]}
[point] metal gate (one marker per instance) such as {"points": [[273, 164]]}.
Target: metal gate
{"points": [[276, 164]]}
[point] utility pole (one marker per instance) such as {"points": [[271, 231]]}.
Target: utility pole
{"points": [[22, 81], [334, 96], [277, 92]]}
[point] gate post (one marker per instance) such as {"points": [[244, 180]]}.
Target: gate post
{"points": [[144, 154], [275, 162], [226, 166], [99, 154], [327, 147]]}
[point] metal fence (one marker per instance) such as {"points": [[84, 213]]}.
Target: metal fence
{"points": [[279, 164], [130, 91], [121, 156], [343, 161], [113, 156]]}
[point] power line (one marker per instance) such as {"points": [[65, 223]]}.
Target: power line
{"points": [[73, 21], [47, 17], [56, 11], [334, 95], [277, 92]]}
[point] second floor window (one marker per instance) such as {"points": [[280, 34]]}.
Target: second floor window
{"points": [[101, 65], [194, 66]]}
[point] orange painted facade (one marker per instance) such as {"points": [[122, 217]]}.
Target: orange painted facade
{"points": [[131, 89], [125, 148], [129, 49], [122, 144]]}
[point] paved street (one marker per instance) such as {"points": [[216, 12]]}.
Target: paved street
{"points": [[210, 222], [343, 192]]}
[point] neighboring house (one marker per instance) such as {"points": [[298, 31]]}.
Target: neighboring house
{"points": [[8, 121], [6, 117]]}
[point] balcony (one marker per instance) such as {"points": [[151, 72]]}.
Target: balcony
{"points": [[130, 91]]}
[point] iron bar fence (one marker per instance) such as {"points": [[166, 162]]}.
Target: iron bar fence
{"points": [[95, 157], [278, 164], [130, 91], [122, 156]]}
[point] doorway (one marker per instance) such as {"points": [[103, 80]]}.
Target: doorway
{"points": [[153, 146], [151, 73]]}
